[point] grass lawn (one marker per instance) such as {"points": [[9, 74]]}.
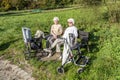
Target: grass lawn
{"points": [[104, 43]]}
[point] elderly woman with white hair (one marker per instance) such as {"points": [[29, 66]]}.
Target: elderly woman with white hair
{"points": [[70, 29], [55, 32], [56, 28]]}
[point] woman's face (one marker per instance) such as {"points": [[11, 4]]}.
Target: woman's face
{"points": [[70, 24], [55, 21]]}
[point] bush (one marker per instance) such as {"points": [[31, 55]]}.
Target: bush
{"points": [[2, 9], [113, 12], [92, 2], [88, 2], [5, 5]]}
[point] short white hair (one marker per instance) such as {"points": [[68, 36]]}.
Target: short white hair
{"points": [[55, 19], [71, 20]]}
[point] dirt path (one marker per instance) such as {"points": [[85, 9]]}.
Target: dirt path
{"points": [[55, 57], [9, 71]]}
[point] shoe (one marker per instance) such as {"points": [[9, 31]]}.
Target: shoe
{"points": [[68, 61], [49, 55], [60, 57], [47, 50]]}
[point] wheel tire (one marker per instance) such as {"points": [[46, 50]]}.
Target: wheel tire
{"points": [[80, 70], [60, 70]]}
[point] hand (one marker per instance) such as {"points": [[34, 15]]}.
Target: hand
{"points": [[55, 36]]}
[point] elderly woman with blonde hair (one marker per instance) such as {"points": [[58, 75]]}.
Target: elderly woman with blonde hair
{"points": [[55, 32]]}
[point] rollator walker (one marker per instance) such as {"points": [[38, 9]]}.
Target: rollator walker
{"points": [[76, 58]]}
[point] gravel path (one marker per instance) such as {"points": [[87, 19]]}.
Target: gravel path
{"points": [[12, 72]]}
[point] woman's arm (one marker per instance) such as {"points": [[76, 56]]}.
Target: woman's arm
{"points": [[52, 32], [60, 30]]}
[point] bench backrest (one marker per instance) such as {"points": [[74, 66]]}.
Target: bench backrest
{"points": [[83, 35]]}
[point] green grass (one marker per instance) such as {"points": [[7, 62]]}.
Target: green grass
{"points": [[104, 43]]}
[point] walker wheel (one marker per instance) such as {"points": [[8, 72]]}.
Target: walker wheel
{"points": [[60, 70], [80, 70]]}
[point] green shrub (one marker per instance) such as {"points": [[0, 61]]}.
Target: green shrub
{"points": [[113, 12]]}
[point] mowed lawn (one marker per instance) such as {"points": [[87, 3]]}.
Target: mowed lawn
{"points": [[104, 43]]}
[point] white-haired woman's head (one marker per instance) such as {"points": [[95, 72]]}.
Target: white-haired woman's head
{"points": [[56, 20], [71, 21]]}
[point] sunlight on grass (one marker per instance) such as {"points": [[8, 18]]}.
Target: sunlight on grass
{"points": [[104, 43]]}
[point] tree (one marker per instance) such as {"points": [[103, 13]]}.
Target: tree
{"points": [[62, 3], [20, 4], [92, 2], [6, 4], [0, 2], [50, 4]]}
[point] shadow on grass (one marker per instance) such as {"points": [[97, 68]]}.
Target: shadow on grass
{"points": [[6, 45], [94, 41], [14, 14], [93, 47], [1, 30]]}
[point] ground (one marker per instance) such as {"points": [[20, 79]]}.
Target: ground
{"points": [[9, 71]]}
